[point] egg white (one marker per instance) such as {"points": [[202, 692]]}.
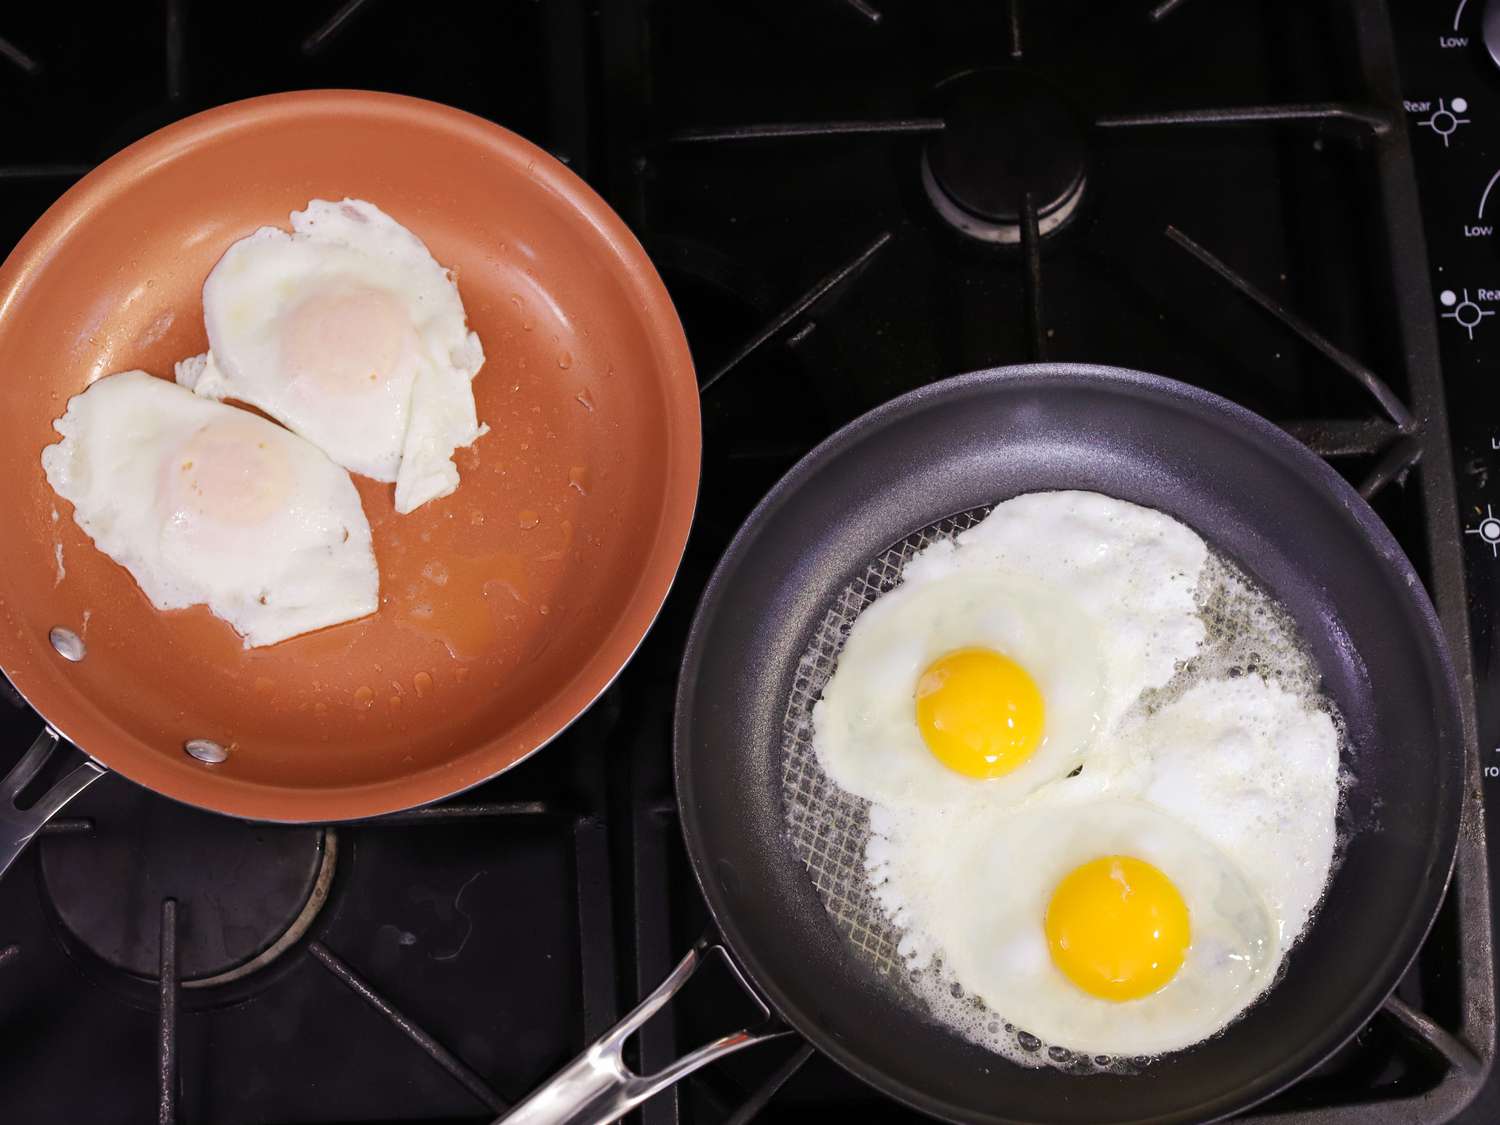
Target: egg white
{"points": [[1255, 769], [205, 504], [1132, 569]]}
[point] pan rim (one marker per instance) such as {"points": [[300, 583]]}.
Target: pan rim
{"points": [[672, 360], [1449, 796]]}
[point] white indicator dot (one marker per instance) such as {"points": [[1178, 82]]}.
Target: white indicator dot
{"points": [[1448, 297], [1459, 105]]}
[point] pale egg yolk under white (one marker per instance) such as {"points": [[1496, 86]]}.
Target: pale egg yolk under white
{"points": [[347, 341], [1117, 928], [980, 713], [227, 474]]}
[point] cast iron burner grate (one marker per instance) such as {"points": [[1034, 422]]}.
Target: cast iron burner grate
{"points": [[594, 816]]}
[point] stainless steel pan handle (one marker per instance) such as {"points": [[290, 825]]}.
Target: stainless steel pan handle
{"points": [[18, 826], [597, 1087]]}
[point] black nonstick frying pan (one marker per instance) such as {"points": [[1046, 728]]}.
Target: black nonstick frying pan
{"points": [[966, 443]]}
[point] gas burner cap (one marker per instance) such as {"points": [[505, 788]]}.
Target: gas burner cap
{"points": [[245, 892], [1007, 132]]}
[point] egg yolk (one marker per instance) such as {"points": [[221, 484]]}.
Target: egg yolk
{"points": [[1117, 928], [228, 474], [979, 712], [345, 342]]}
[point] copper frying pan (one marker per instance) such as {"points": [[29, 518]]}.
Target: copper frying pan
{"points": [[506, 608]]}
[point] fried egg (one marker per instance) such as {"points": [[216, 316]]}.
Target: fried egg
{"points": [[971, 681], [1107, 928], [205, 504], [349, 332], [995, 664]]}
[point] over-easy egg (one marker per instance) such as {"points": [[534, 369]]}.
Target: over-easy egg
{"points": [[349, 332], [205, 504]]}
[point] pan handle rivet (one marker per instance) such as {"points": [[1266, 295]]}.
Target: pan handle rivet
{"points": [[206, 750], [69, 645]]}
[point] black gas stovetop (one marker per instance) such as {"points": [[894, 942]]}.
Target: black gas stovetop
{"points": [[847, 199]]}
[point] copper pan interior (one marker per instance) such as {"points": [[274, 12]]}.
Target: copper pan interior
{"points": [[505, 607]]}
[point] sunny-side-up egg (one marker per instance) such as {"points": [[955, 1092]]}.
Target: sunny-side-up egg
{"points": [[205, 504], [348, 331], [1002, 656], [1106, 928]]}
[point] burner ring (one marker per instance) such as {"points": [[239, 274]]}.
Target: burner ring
{"points": [[293, 933], [1004, 233], [1007, 133], [246, 892]]}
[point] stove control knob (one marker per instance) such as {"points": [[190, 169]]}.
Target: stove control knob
{"points": [[1489, 28]]}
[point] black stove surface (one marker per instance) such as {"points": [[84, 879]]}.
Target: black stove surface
{"points": [[847, 200]]}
